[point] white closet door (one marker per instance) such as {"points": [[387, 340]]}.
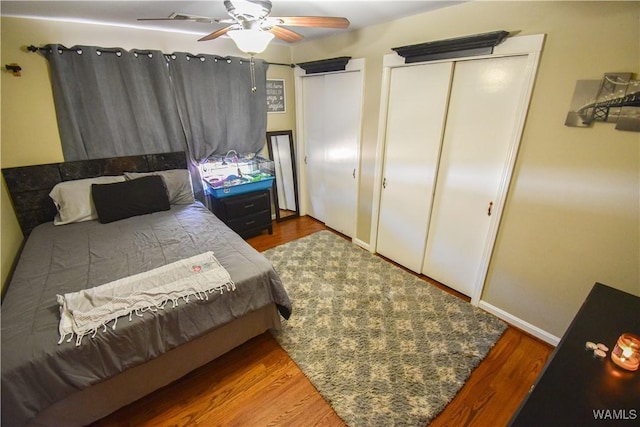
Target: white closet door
{"points": [[343, 109], [416, 113], [486, 98], [314, 147]]}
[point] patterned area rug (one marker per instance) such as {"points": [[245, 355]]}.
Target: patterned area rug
{"points": [[382, 346]]}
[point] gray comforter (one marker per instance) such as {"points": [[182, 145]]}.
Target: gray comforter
{"points": [[37, 372]]}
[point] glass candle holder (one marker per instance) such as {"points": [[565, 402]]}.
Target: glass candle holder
{"points": [[626, 353]]}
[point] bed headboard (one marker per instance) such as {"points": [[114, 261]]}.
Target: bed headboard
{"points": [[29, 186]]}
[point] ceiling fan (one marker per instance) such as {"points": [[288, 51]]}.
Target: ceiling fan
{"points": [[251, 26]]}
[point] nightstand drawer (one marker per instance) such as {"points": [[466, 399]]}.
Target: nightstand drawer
{"points": [[246, 214], [259, 219], [245, 205]]}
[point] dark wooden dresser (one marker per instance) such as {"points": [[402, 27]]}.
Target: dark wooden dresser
{"points": [[247, 214], [577, 389]]}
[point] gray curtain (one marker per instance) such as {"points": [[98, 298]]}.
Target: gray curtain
{"points": [[112, 102], [218, 108]]}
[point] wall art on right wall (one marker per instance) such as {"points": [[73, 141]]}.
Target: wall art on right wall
{"points": [[629, 118], [614, 99]]}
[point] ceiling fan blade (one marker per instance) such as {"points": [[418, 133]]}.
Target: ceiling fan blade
{"points": [[155, 19], [285, 34], [175, 16], [313, 21], [216, 34]]}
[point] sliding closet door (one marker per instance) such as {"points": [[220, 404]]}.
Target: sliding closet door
{"points": [[416, 113], [332, 111], [314, 145], [485, 103], [343, 111]]}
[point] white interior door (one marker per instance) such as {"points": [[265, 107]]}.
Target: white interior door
{"points": [[332, 116], [314, 148], [343, 109], [416, 113], [482, 122]]}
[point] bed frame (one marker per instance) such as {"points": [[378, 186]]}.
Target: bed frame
{"points": [[29, 187], [89, 405]]}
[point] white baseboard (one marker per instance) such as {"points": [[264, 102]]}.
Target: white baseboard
{"points": [[361, 244], [520, 324]]}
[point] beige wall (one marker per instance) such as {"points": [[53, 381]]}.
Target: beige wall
{"points": [[573, 212], [572, 216], [29, 132]]}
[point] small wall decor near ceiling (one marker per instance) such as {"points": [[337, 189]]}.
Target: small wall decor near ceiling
{"points": [[614, 99], [14, 68]]}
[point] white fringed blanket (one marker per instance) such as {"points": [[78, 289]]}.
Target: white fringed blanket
{"points": [[83, 312]]}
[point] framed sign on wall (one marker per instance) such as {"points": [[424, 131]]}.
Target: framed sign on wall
{"points": [[276, 96]]}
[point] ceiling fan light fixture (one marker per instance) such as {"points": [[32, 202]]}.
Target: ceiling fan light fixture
{"points": [[248, 8], [251, 41]]}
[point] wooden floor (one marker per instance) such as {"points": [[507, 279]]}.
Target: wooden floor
{"points": [[257, 384]]}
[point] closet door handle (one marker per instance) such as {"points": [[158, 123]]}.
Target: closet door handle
{"points": [[354, 173], [384, 183], [490, 208]]}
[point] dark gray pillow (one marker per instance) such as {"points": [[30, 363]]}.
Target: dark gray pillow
{"points": [[178, 182], [122, 200]]}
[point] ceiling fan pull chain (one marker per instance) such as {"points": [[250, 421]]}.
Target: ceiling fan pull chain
{"points": [[253, 75]]}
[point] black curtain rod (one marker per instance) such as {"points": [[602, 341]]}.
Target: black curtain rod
{"points": [[33, 48]]}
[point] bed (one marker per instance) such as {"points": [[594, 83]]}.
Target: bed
{"points": [[47, 380]]}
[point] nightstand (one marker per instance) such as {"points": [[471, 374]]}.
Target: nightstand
{"points": [[246, 214]]}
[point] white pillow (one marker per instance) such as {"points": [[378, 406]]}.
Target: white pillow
{"points": [[73, 199], [177, 181]]}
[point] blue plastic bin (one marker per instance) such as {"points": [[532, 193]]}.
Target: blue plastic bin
{"points": [[234, 190]]}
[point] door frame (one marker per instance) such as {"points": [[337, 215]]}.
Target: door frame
{"points": [[531, 46], [354, 65]]}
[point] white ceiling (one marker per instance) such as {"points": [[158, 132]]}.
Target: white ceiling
{"points": [[361, 13]]}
